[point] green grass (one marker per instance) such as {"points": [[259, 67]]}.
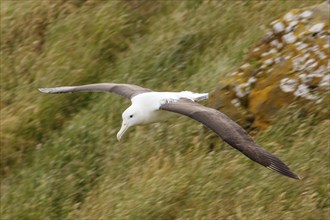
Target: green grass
{"points": [[59, 154]]}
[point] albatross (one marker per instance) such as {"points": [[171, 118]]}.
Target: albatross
{"points": [[149, 106]]}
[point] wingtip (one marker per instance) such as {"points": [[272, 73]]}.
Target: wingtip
{"points": [[284, 170], [297, 177], [47, 90], [294, 176], [44, 90]]}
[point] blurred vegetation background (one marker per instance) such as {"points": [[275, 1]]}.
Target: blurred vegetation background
{"points": [[59, 155]]}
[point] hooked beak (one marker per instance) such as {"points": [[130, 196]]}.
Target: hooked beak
{"points": [[122, 130]]}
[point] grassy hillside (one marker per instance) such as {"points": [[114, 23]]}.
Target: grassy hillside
{"points": [[59, 155]]}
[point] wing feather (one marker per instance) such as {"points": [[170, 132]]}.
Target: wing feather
{"points": [[125, 90], [230, 132]]}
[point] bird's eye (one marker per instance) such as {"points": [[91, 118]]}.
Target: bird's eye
{"points": [[131, 116]]}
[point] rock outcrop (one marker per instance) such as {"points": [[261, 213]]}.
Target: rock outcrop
{"points": [[290, 64]]}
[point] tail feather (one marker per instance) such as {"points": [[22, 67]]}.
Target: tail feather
{"points": [[202, 96], [194, 96]]}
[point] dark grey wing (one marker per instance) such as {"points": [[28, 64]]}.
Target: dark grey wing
{"points": [[230, 132], [126, 90]]}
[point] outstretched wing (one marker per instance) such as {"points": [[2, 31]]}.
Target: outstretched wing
{"points": [[125, 90], [230, 132]]}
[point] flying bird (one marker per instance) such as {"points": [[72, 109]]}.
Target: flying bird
{"points": [[149, 106]]}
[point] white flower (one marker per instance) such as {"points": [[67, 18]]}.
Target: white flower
{"points": [[289, 16], [317, 27], [278, 27], [289, 38], [302, 90], [306, 14], [235, 102], [288, 85], [325, 82]]}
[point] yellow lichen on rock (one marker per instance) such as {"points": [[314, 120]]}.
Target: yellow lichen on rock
{"points": [[290, 64]]}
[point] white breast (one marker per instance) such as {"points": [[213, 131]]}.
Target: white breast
{"points": [[149, 103]]}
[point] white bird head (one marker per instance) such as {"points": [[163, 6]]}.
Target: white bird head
{"points": [[130, 117]]}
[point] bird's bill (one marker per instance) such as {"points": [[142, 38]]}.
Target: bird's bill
{"points": [[122, 130]]}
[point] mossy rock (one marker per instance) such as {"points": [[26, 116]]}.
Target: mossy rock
{"points": [[291, 64]]}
